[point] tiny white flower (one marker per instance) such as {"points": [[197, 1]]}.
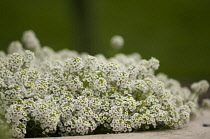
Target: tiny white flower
{"points": [[117, 41]]}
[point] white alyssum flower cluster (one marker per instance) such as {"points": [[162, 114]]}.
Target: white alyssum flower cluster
{"points": [[66, 93], [206, 103], [117, 41]]}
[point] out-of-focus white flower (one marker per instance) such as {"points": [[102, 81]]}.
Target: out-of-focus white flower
{"points": [[206, 103], [2, 54], [200, 87], [117, 41], [30, 40], [15, 47]]}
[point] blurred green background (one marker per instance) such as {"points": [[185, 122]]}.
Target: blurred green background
{"points": [[175, 32]]}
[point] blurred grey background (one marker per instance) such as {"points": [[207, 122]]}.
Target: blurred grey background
{"points": [[175, 32]]}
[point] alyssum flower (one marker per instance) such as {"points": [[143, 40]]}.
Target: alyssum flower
{"points": [[67, 93]]}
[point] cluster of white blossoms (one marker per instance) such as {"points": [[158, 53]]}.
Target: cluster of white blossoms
{"points": [[117, 41], [66, 93]]}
